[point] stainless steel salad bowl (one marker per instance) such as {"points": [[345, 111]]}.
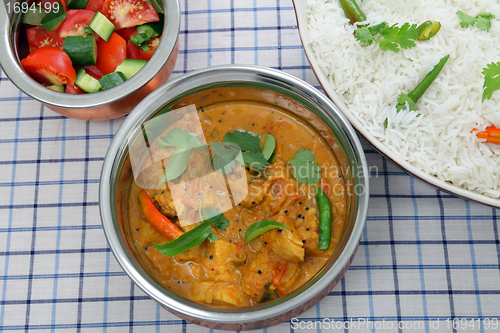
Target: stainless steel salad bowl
{"points": [[286, 91], [106, 104]]}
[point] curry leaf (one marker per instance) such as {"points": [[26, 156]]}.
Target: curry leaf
{"points": [[187, 240], [258, 228]]}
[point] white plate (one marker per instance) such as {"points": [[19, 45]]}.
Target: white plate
{"points": [[301, 13]]}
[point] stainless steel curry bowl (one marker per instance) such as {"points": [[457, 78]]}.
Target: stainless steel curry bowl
{"points": [[107, 104], [279, 88]]}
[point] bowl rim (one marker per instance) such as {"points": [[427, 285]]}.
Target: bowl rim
{"points": [[10, 64], [228, 73], [301, 16]]}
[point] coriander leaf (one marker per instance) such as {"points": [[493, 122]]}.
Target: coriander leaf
{"points": [[486, 15], [141, 40], [269, 146], [304, 169], [226, 155], [246, 141], [216, 218], [483, 24], [256, 161], [212, 238], [379, 28], [364, 36], [402, 99], [491, 80], [405, 37], [180, 138], [466, 20], [482, 20]]}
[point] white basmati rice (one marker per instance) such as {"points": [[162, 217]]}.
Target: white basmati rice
{"points": [[440, 141]]}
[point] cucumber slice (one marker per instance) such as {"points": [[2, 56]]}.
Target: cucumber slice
{"points": [[111, 80], [53, 19], [86, 82], [130, 67], [34, 16], [57, 88], [102, 26], [82, 50], [77, 4]]}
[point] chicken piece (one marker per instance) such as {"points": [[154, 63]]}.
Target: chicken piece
{"points": [[285, 243], [191, 254], [220, 258], [291, 276], [281, 190], [257, 275], [164, 199], [218, 292], [277, 170], [257, 189], [309, 232]]}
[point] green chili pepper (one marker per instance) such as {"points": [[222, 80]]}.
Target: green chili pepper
{"points": [[428, 29], [419, 90], [258, 228], [187, 240], [325, 220], [352, 11]]}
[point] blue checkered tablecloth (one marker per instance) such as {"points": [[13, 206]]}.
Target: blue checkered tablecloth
{"points": [[427, 261]]}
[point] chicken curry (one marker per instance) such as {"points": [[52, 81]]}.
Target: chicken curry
{"points": [[247, 225]]}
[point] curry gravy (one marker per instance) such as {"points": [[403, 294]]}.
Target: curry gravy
{"points": [[229, 272]]}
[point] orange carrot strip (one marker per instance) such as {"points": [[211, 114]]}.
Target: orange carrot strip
{"points": [[278, 273], [157, 220], [491, 134]]}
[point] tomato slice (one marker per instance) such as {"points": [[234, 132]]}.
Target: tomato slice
{"points": [[129, 13], [75, 22], [93, 71], [153, 45], [94, 5], [39, 37], [73, 89], [110, 54], [49, 65], [133, 52]]}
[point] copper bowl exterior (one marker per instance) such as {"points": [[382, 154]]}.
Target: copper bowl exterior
{"points": [[107, 104]]}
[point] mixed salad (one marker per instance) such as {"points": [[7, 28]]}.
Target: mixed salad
{"points": [[85, 46]]}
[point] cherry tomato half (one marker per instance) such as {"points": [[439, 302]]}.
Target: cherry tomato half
{"points": [[110, 54], [75, 22], [73, 89], [39, 37], [49, 65], [129, 13], [94, 5], [133, 52]]}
